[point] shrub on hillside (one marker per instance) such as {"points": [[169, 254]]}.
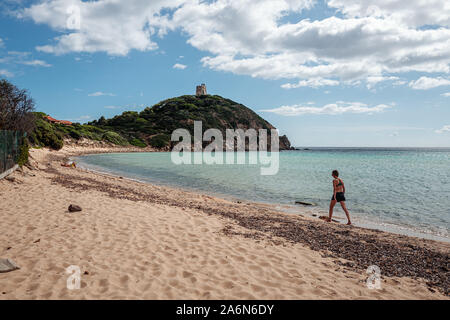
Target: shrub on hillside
{"points": [[115, 138], [22, 158], [138, 143], [45, 134], [160, 141]]}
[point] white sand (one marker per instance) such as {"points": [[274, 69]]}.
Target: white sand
{"points": [[139, 250]]}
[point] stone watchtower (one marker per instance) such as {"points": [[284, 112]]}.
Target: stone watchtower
{"points": [[201, 90]]}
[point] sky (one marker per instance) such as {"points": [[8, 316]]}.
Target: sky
{"points": [[330, 73]]}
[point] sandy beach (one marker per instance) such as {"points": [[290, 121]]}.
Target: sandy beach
{"points": [[140, 241]]}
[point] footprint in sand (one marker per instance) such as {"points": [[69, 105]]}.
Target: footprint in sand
{"points": [[103, 283], [228, 285], [257, 288], [124, 280]]}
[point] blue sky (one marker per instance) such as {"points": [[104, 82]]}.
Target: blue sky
{"points": [[326, 73]]}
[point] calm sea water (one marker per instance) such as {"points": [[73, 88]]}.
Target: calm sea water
{"points": [[400, 190]]}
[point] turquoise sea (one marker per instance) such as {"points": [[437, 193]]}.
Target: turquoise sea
{"points": [[400, 190]]}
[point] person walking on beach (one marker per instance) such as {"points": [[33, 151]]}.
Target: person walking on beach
{"points": [[338, 196]]}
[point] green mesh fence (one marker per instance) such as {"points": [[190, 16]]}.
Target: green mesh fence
{"points": [[9, 148]]}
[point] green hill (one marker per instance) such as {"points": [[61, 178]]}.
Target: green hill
{"points": [[154, 125]]}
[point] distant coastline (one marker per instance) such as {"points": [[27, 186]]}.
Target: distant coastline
{"points": [[315, 148]]}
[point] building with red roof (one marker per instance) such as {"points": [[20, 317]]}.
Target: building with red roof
{"points": [[53, 120]]}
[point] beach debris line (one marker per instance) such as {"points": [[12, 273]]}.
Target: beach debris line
{"points": [[7, 265], [74, 208]]}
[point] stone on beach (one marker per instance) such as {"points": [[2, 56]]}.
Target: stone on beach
{"points": [[305, 203], [7, 265], [10, 179], [74, 208]]}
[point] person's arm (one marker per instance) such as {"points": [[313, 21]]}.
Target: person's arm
{"points": [[343, 186], [334, 189]]}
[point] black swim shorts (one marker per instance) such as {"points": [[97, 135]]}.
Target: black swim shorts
{"points": [[339, 197]]}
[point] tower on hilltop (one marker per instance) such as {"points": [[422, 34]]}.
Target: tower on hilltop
{"points": [[201, 90]]}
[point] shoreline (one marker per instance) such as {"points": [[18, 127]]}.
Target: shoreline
{"points": [[313, 212], [259, 253]]}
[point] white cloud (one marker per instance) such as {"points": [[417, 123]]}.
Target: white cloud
{"points": [[350, 49], [444, 129], [6, 73], [179, 66], [415, 14], [447, 94], [312, 83], [400, 82], [372, 81], [37, 63], [111, 26], [426, 83], [20, 57], [112, 107], [337, 108], [369, 41], [19, 53], [99, 94], [81, 118], [1, 43]]}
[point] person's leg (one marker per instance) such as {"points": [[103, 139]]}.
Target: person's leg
{"points": [[346, 212], [332, 204]]}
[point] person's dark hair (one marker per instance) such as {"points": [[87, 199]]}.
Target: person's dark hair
{"points": [[335, 173]]}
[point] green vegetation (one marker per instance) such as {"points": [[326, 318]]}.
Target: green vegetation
{"points": [[16, 107], [114, 138], [160, 141], [154, 125], [51, 135], [45, 134], [138, 143], [22, 158]]}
